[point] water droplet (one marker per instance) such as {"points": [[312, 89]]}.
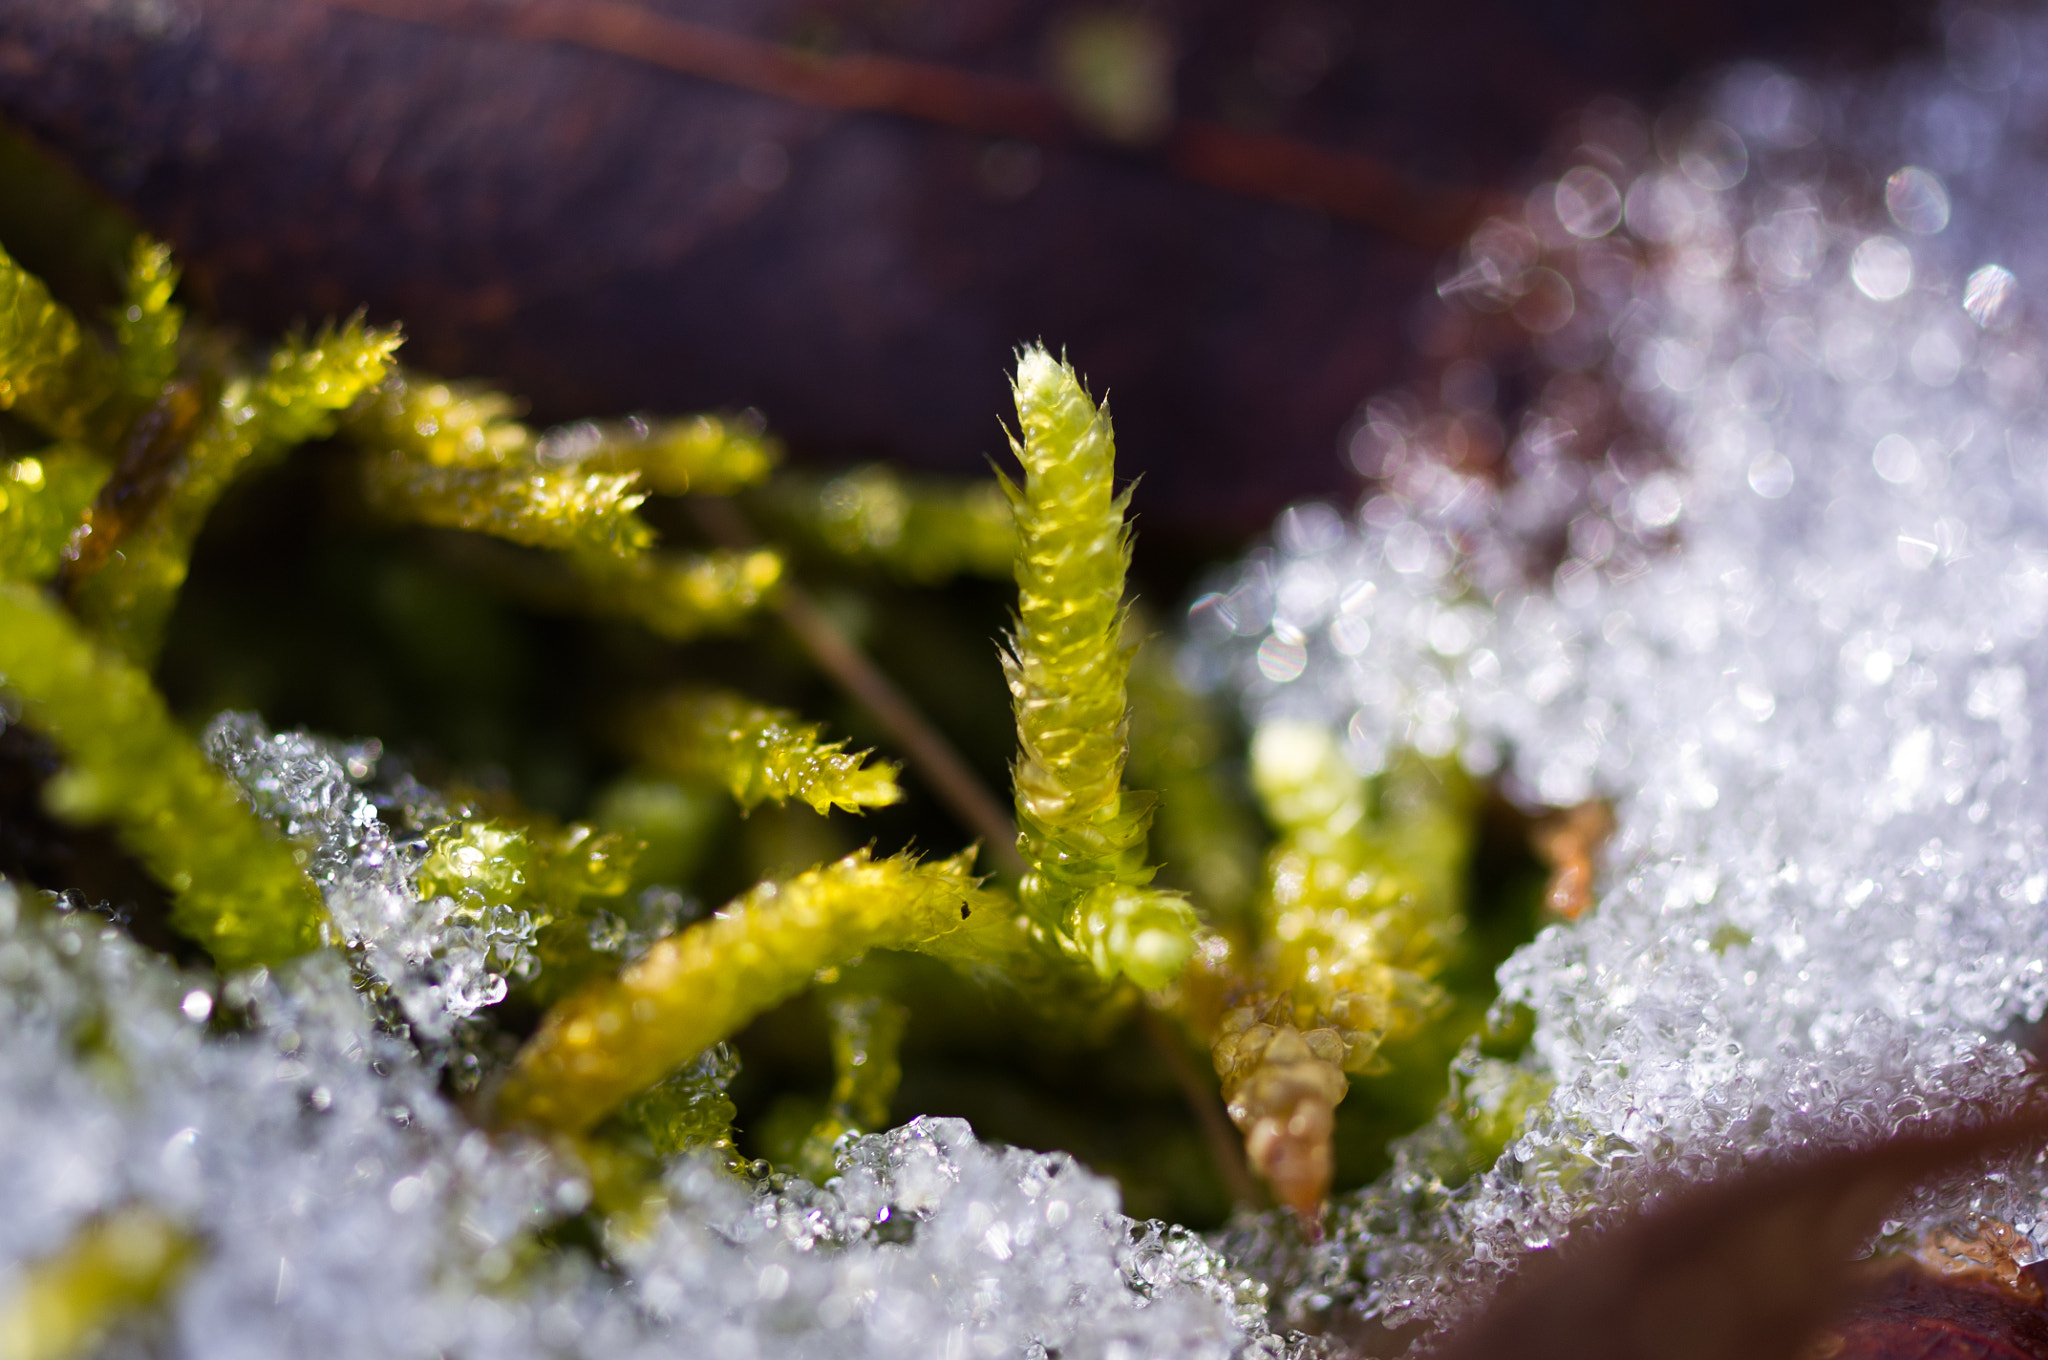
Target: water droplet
{"points": [[1988, 296], [1917, 200], [1587, 203], [1882, 268], [1282, 659]]}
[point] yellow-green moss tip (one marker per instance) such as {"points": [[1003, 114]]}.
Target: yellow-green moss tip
{"points": [[690, 1110], [691, 989], [680, 596], [50, 371], [66, 1304], [42, 499], [236, 887], [444, 425], [1081, 833], [704, 455], [760, 753], [127, 595], [924, 532], [146, 325], [567, 509]]}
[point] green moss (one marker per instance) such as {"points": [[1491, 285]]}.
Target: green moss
{"points": [[66, 1304], [51, 372], [237, 888], [759, 753], [679, 596], [702, 455], [42, 499], [918, 530], [867, 1066], [566, 509], [618, 1037], [1338, 942], [1206, 836], [147, 323], [1081, 832], [126, 591]]}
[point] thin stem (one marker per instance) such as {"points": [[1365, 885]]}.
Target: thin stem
{"points": [[1226, 1149], [921, 744]]}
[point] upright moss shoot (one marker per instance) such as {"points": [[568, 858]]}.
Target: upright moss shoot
{"points": [[1081, 832]]}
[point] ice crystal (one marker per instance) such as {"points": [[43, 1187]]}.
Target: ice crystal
{"points": [[307, 1151], [439, 967], [1767, 567]]}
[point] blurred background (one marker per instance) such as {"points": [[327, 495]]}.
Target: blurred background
{"points": [[1224, 210]]}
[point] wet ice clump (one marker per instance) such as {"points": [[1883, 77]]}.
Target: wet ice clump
{"points": [[343, 1207], [440, 967], [1763, 559]]}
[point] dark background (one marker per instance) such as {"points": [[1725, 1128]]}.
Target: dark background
{"points": [[581, 226]]}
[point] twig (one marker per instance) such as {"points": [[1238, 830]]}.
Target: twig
{"points": [[1342, 184], [1226, 1149], [922, 744]]}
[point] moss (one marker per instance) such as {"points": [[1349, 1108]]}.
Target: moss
{"points": [[758, 753], [1312, 953], [135, 561], [1081, 832], [236, 887], [618, 1037], [67, 1303]]}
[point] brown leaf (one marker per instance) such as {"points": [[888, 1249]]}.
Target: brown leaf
{"points": [[1745, 1269], [1912, 1313]]}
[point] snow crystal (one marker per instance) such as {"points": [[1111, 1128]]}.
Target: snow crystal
{"points": [[346, 1208], [440, 969], [1764, 561]]}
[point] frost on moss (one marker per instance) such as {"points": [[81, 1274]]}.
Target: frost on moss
{"points": [[760, 753], [689, 1110], [537, 889]]}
